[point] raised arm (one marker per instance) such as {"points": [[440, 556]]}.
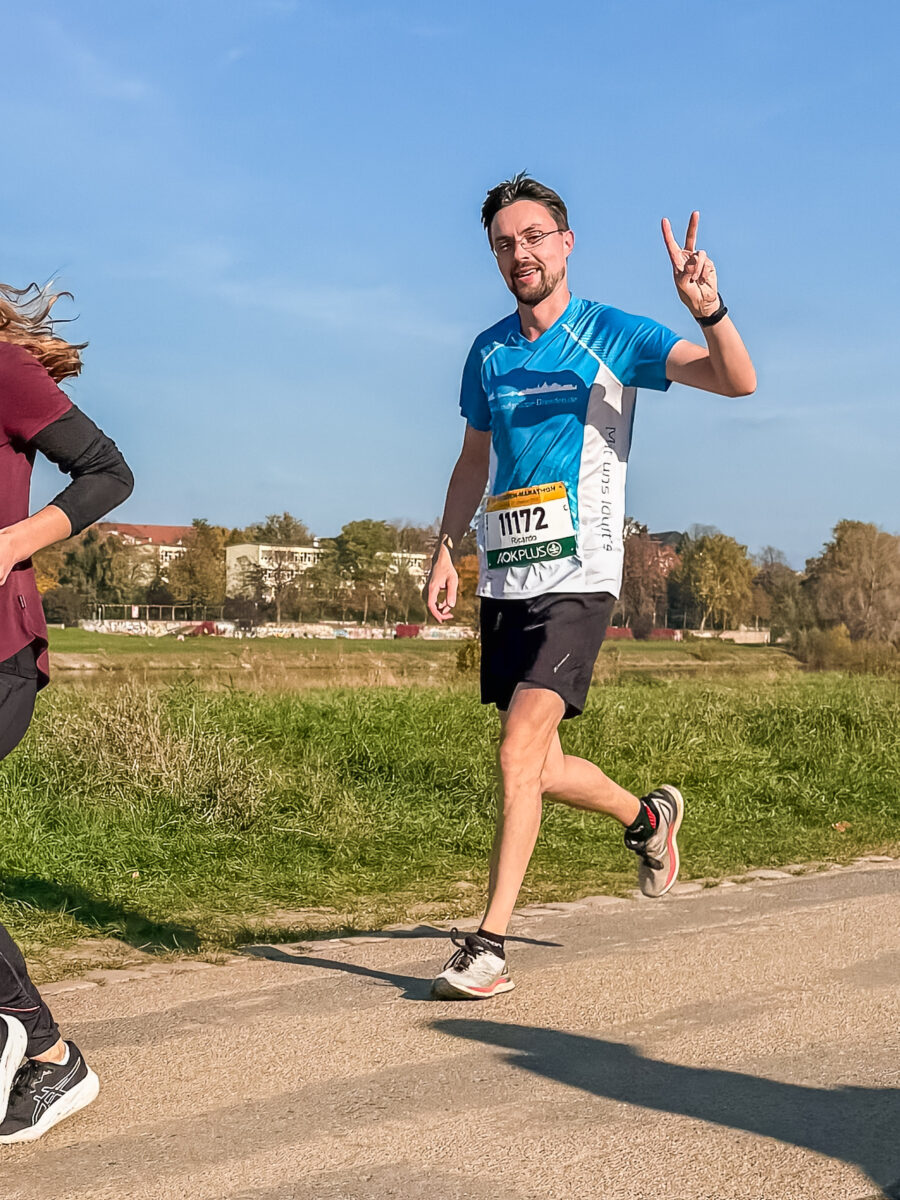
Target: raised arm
{"points": [[723, 364], [464, 493]]}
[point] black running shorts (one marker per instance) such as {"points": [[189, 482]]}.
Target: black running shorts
{"points": [[18, 689], [551, 641]]}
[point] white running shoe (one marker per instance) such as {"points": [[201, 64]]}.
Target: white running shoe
{"points": [[13, 1044], [473, 972]]}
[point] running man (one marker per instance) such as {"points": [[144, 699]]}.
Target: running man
{"points": [[54, 1081], [548, 396]]}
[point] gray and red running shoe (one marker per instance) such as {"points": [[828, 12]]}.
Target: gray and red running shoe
{"points": [[658, 853]]}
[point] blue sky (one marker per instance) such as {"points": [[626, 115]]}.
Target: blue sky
{"points": [[268, 213]]}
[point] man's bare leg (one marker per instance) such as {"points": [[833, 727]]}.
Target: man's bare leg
{"points": [[581, 784], [531, 766], [528, 732]]}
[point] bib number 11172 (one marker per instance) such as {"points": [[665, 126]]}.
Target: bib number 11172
{"points": [[529, 525], [522, 520]]}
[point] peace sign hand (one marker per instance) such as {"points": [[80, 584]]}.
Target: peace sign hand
{"points": [[695, 274]]}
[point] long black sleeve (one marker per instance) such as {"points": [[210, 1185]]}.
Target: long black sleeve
{"points": [[101, 478]]}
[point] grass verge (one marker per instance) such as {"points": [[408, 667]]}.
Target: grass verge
{"points": [[185, 819]]}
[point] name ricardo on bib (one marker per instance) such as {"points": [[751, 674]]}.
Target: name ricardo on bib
{"points": [[529, 525]]}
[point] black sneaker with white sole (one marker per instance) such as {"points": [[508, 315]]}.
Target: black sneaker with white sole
{"points": [[13, 1042], [45, 1093]]}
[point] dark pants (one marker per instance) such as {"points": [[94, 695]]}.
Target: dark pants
{"points": [[18, 995]]}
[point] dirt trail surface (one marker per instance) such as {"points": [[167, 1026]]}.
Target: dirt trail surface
{"points": [[740, 1042]]}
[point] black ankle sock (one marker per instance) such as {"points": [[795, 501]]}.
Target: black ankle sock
{"points": [[646, 822], [494, 940]]}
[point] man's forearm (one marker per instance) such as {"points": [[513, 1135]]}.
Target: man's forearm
{"points": [[729, 360], [464, 494]]}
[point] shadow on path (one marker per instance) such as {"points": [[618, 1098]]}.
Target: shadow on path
{"points": [[417, 932], [856, 1125], [101, 916], [411, 986]]}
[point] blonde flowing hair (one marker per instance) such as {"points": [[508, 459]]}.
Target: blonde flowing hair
{"points": [[26, 321]]}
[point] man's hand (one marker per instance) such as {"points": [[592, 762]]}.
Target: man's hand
{"points": [[442, 578], [695, 274]]}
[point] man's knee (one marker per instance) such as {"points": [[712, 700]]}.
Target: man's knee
{"points": [[521, 760], [527, 738]]}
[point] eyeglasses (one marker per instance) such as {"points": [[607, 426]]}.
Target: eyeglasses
{"points": [[527, 240]]}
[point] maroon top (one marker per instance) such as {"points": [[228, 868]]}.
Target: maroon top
{"points": [[29, 402]]}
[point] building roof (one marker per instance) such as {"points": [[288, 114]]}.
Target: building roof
{"points": [[671, 537], [153, 535]]}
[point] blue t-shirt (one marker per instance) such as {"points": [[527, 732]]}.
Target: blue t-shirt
{"points": [[560, 410]]}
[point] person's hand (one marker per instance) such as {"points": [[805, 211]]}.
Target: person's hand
{"points": [[695, 274], [442, 578]]}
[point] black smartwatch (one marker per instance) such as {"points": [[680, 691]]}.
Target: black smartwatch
{"points": [[713, 318]]}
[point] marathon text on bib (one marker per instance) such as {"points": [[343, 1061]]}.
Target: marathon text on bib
{"points": [[529, 525]]}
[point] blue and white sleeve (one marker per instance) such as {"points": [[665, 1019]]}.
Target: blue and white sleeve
{"points": [[473, 403], [636, 350]]}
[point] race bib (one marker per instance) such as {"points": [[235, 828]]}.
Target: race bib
{"points": [[530, 525]]}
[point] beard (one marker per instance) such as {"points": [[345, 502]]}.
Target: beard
{"points": [[535, 290]]}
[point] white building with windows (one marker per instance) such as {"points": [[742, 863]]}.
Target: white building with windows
{"points": [[248, 563], [158, 545]]}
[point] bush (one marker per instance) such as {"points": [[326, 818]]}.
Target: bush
{"points": [[833, 650], [704, 650], [642, 626], [63, 606], [468, 657]]}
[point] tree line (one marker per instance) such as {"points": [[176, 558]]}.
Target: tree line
{"points": [[700, 579], [704, 579], [356, 577]]}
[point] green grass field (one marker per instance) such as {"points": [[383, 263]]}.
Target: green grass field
{"points": [[115, 647], [290, 664], [187, 817]]}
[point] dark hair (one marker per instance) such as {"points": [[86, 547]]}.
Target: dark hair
{"points": [[523, 187]]}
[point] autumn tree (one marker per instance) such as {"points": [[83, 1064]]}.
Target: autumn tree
{"points": [[49, 564], [467, 604], [102, 569], [273, 581], [856, 581], [789, 609], [718, 574], [404, 595], [414, 539], [278, 529], [646, 570], [198, 576]]}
